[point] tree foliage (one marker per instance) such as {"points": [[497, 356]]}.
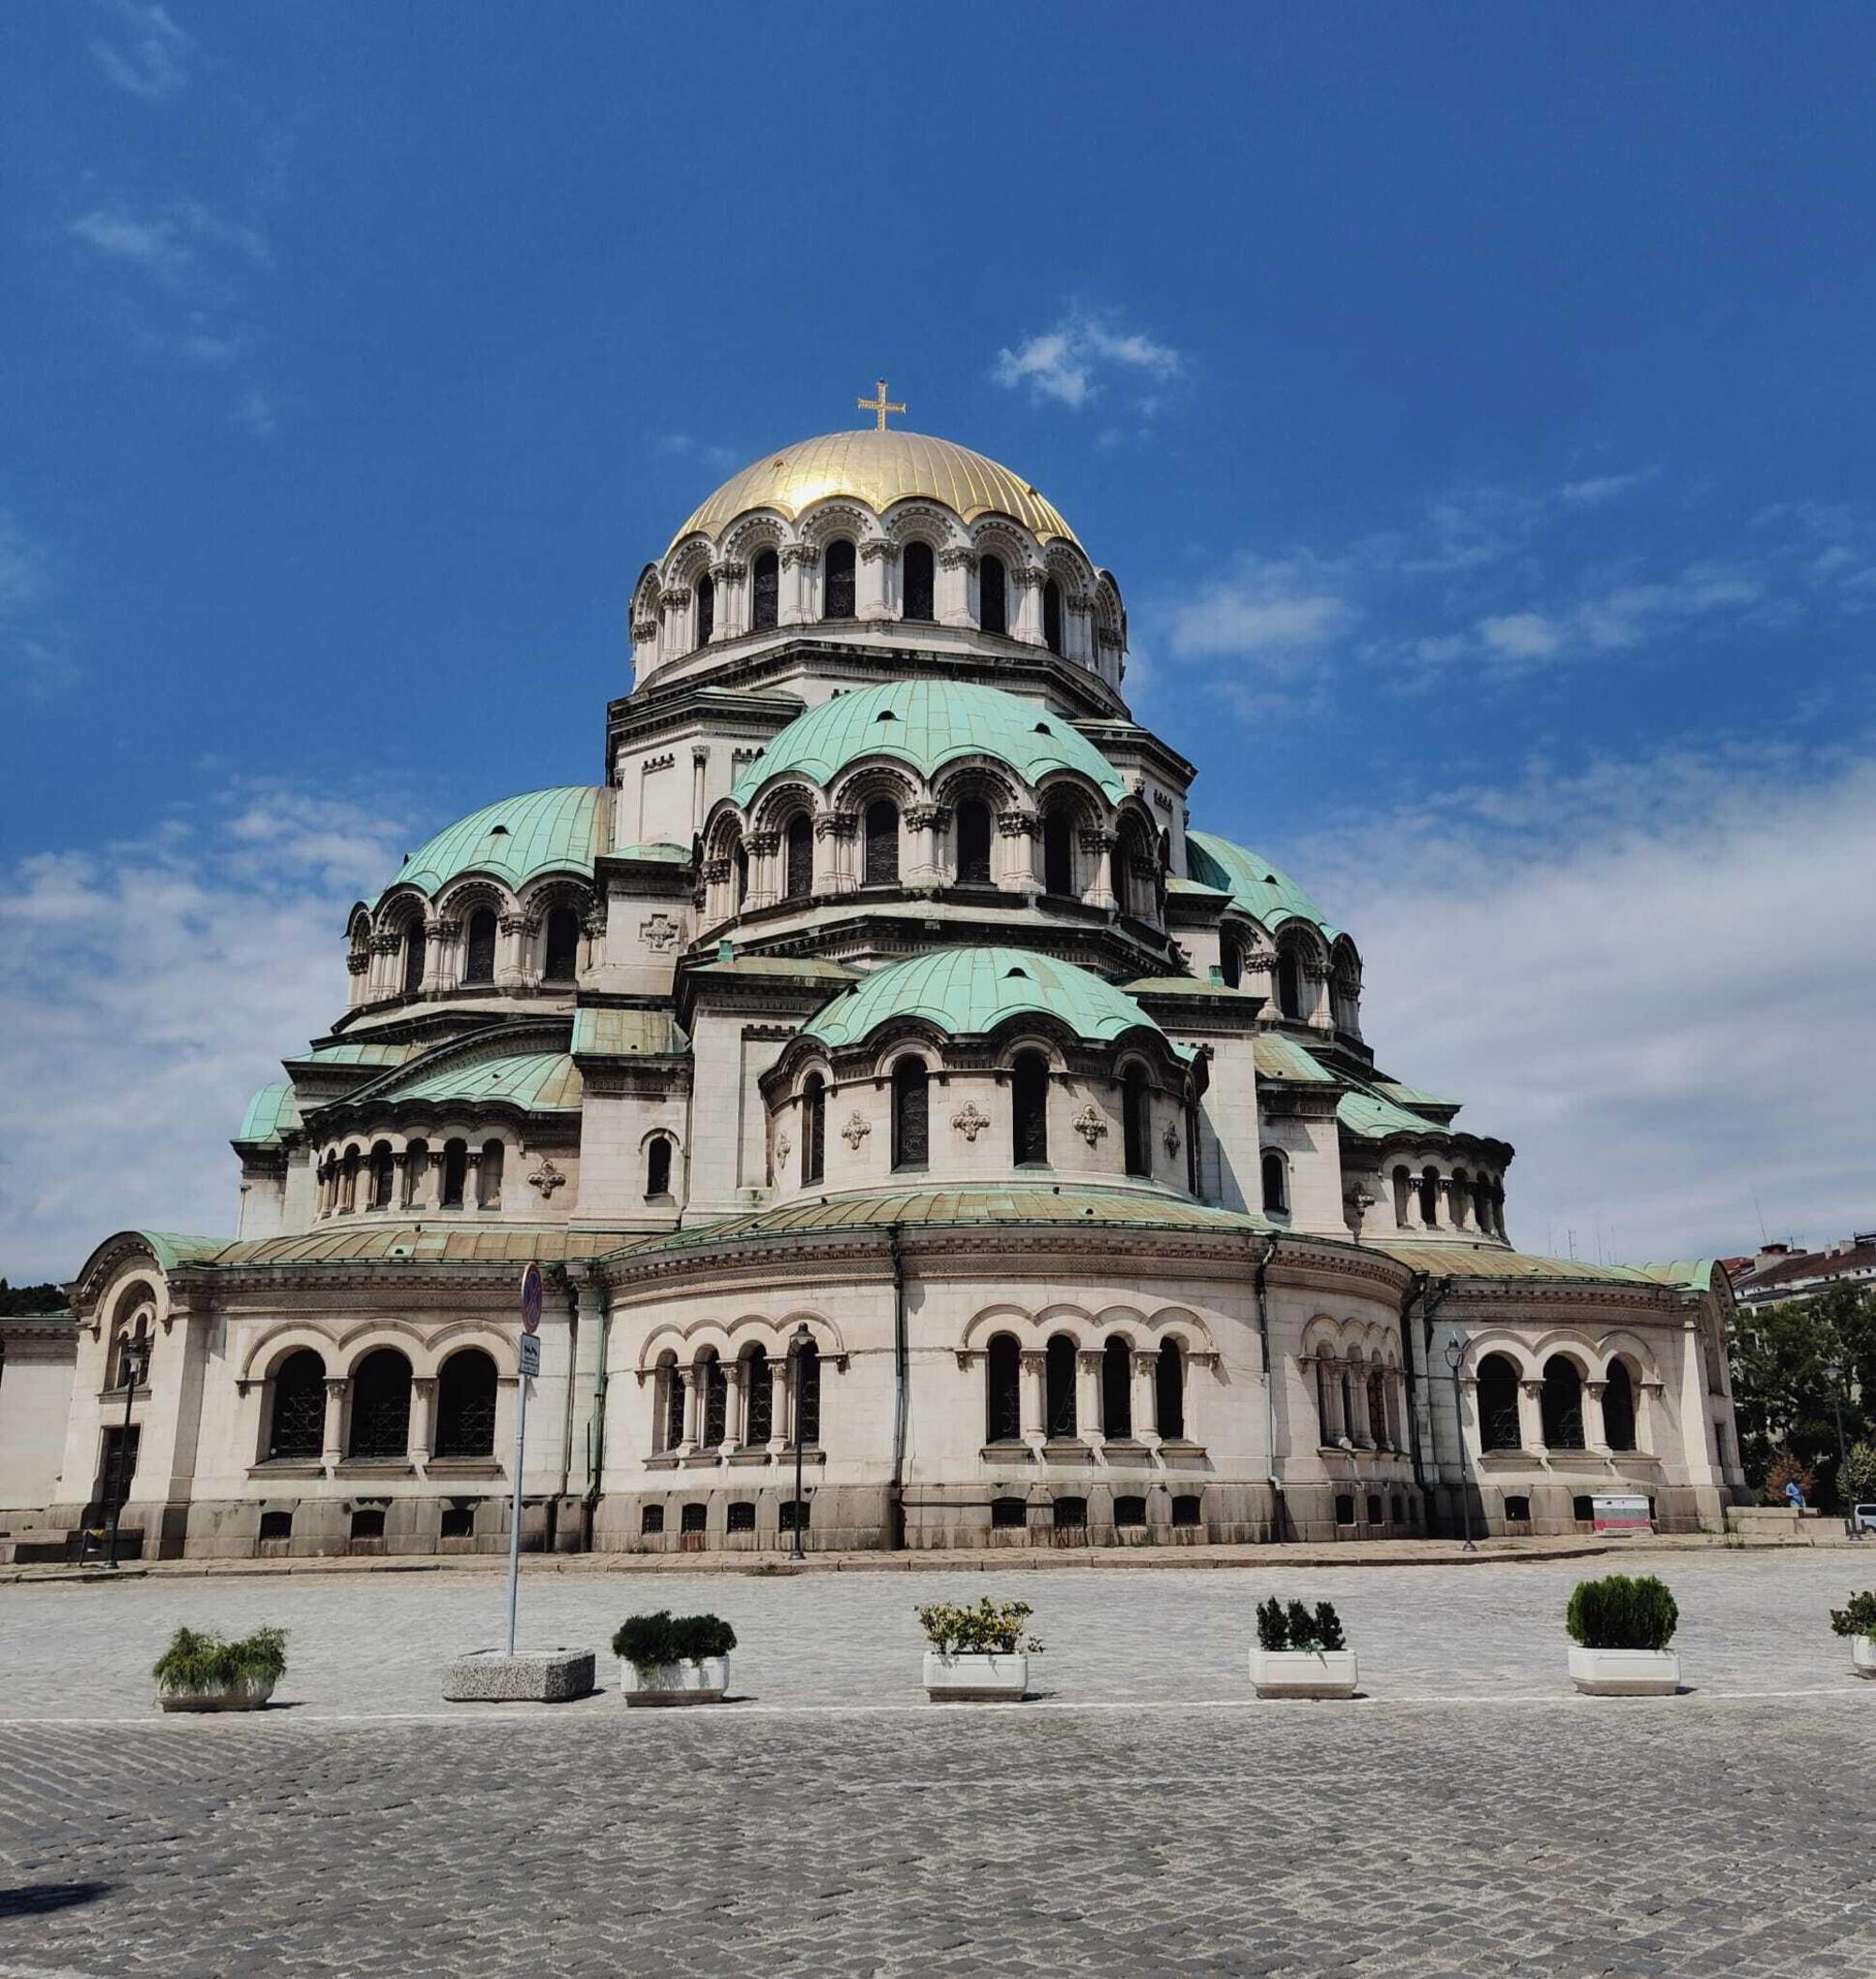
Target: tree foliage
{"points": [[16, 1301], [1803, 1378]]}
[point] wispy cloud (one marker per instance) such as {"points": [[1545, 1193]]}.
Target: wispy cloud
{"points": [[686, 446], [1598, 488], [1086, 356], [256, 413], [146, 54], [36, 659], [1270, 606]]}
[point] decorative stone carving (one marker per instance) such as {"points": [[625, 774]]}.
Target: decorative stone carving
{"points": [[1018, 824], [969, 1122], [959, 559], [1090, 1126], [856, 1132], [800, 553], [547, 1178], [1170, 1138], [358, 962], [781, 1147], [644, 631], [876, 552], [659, 933]]}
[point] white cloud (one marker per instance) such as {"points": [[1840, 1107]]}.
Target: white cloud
{"points": [[1085, 355], [256, 415], [149, 56], [183, 268], [1269, 610], [1598, 488], [686, 446], [149, 988], [1521, 635], [1653, 979], [35, 647]]}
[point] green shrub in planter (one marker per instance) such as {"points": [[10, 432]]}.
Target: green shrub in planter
{"points": [[655, 1641], [1295, 1627], [1858, 1619], [1622, 1611], [197, 1662], [992, 1628]]}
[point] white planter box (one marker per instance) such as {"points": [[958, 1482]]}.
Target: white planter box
{"points": [[701, 1681], [1304, 1672], [976, 1680], [1625, 1672], [249, 1694], [1862, 1655]]}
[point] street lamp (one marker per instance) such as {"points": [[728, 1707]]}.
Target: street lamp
{"points": [[131, 1364], [800, 1342], [1454, 1353]]}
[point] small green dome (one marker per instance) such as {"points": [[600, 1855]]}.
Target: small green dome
{"points": [[928, 723], [968, 991], [1253, 883], [271, 1111], [515, 841]]}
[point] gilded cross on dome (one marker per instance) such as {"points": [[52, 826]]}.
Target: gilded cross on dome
{"points": [[879, 403]]}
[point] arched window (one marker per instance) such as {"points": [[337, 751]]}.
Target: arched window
{"points": [[798, 858], [716, 1399], [1618, 1408], [1377, 1410], [1230, 964], [1058, 1389], [1562, 1404], [1498, 1425], [917, 581], [1276, 1183], [1058, 851], [479, 961], [836, 598], [298, 1432], [1029, 1109], [1289, 985], [465, 1405], [740, 871], [1169, 1392], [1052, 615], [454, 1172], [1003, 1395], [658, 1167], [382, 1170], [1326, 1398], [1116, 1388], [488, 1176], [1429, 1196], [1136, 1110], [563, 945], [992, 595], [882, 834], [765, 591], [1403, 1184], [911, 1113], [707, 609], [813, 1128], [673, 1377], [348, 1181], [381, 1406], [807, 1395], [973, 843], [416, 947], [757, 1397]]}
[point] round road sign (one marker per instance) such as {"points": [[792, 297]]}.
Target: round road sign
{"points": [[531, 1299]]}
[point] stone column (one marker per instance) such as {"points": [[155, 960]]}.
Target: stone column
{"points": [[358, 974], [1032, 1402], [1088, 1394], [383, 966], [1016, 849], [1099, 845], [693, 1408], [332, 1451], [952, 585], [1531, 1414], [874, 572], [674, 610], [1078, 628], [733, 598], [928, 823], [1028, 579], [423, 1417], [1595, 1431], [764, 848], [832, 843], [1648, 1416], [781, 1402], [510, 960], [734, 1401], [1145, 1426], [798, 583], [443, 957]]}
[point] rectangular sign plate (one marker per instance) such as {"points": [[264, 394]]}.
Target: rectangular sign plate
{"points": [[1620, 1515], [529, 1345]]}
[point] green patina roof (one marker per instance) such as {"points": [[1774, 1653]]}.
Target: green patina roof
{"points": [[967, 991], [354, 1051], [540, 1081], [627, 1033], [545, 831], [271, 1111], [1282, 1058], [1252, 882], [1412, 1095], [437, 1243], [926, 723], [1375, 1117], [1463, 1260], [1685, 1274]]}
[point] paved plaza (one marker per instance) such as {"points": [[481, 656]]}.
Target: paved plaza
{"points": [[1143, 1816]]}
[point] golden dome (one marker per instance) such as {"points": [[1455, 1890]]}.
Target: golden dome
{"points": [[879, 469]]}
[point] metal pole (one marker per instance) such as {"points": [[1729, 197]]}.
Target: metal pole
{"points": [[794, 1347], [515, 1511], [132, 1368]]}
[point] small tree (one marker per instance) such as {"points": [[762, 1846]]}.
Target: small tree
{"points": [[1857, 1479], [1786, 1469], [1622, 1611]]}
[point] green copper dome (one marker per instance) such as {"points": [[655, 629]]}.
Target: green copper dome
{"points": [[1253, 883], [928, 723], [516, 840], [968, 991]]}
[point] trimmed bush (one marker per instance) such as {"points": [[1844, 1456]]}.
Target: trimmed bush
{"points": [[653, 1641], [1295, 1627], [992, 1628], [1858, 1619], [1622, 1611], [198, 1661]]}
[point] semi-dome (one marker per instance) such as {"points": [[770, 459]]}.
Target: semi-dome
{"points": [[515, 841], [1253, 883], [967, 991], [928, 723], [879, 469]]}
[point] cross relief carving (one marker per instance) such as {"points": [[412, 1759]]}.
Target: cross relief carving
{"points": [[969, 1122], [856, 1132], [1090, 1126]]}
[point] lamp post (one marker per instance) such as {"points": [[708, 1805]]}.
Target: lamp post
{"points": [[1454, 1353], [131, 1368], [800, 1342]]}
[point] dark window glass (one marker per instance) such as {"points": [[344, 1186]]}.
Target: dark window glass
{"points": [[807, 1395], [1498, 1425], [1029, 1105], [414, 949], [1563, 1405], [917, 581], [707, 609], [382, 1170], [479, 964], [794, 1515], [1374, 1508], [1618, 1410], [1002, 1397], [1058, 852], [1008, 1514], [974, 844], [1052, 615], [277, 1525], [813, 1128], [881, 830], [1138, 1121], [1289, 984], [563, 945], [658, 1167], [651, 1519], [838, 598], [742, 1516], [716, 1403], [692, 1519], [1518, 1508], [465, 1405], [454, 1172], [757, 1397], [118, 1465], [766, 579], [911, 1113], [674, 1405], [1169, 1391], [1377, 1409], [1130, 1511], [1230, 964], [381, 1405], [1187, 1508], [458, 1522], [1429, 1197], [1583, 1509], [1276, 1195], [1071, 1514], [1058, 1370], [300, 1407], [798, 871], [739, 864], [1344, 1508], [1116, 1388], [368, 1522], [992, 596]]}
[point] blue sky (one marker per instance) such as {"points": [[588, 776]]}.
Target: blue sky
{"points": [[1474, 403]]}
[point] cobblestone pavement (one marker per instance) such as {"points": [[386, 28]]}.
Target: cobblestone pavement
{"points": [[1470, 1817]]}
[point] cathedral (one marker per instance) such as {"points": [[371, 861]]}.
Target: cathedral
{"points": [[930, 1132]]}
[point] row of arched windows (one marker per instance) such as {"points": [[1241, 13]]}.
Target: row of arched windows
{"points": [[1473, 1202], [400, 1178], [1359, 1402], [380, 1428], [743, 1403], [1560, 1406], [559, 951], [1003, 1390]]}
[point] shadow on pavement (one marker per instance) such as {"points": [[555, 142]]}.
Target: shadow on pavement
{"points": [[35, 1899]]}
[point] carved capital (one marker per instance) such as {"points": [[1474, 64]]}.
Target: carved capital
{"points": [[876, 552]]}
